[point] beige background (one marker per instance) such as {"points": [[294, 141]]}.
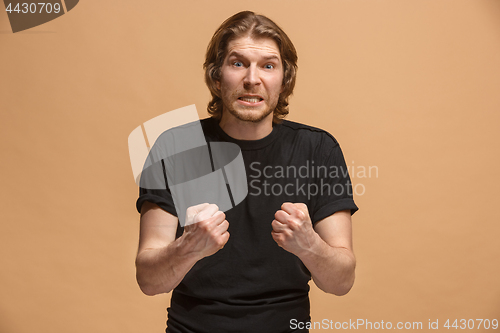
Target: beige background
{"points": [[411, 87]]}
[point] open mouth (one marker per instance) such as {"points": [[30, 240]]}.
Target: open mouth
{"points": [[251, 99]]}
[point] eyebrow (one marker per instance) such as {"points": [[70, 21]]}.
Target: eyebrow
{"points": [[239, 55]]}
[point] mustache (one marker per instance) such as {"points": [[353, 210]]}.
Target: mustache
{"points": [[240, 93]]}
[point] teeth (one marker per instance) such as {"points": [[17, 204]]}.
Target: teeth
{"points": [[250, 99]]}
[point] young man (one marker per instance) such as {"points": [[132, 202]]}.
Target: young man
{"points": [[248, 270]]}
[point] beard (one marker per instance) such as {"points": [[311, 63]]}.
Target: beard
{"points": [[247, 113]]}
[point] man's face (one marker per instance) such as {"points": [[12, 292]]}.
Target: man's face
{"points": [[251, 79]]}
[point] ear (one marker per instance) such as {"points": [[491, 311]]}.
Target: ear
{"points": [[217, 85]]}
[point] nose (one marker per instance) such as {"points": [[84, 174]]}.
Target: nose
{"points": [[252, 77]]}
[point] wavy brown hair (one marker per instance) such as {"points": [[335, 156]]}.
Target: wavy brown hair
{"points": [[244, 24]]}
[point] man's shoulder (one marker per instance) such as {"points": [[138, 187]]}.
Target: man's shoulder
{"points": [[208, 124], [307, 132]]}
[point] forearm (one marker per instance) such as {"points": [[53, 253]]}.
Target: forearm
{"points": [[332, 268], [161, 270]]}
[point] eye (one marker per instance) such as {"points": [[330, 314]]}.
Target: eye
{"points": [[269, 66], [237, 64]]}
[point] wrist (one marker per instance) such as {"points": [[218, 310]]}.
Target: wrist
{"points": [[316, 248], [184, 248]]}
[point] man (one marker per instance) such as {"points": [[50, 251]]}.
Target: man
{"points": [[248, 270]]}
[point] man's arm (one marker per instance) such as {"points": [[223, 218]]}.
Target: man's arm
{"points": [[163, 261], [327, 252]]}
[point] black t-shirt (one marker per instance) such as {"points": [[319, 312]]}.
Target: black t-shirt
{"points": [[252, 284]]}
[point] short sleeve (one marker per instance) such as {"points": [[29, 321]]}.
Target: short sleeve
{"points": [[334, 186], [161, 197]]}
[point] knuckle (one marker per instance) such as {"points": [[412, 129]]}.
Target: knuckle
{"points": [[220, 241], [203, 225], [301, 208], [190, 212]]}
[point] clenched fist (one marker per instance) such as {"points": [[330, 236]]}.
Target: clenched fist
{"points": [[292, 228], [205, 231]]}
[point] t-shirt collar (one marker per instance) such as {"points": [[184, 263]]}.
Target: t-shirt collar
{"points": [[247, 144]]}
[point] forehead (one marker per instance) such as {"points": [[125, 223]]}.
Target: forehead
{"points": [[255, 46]]}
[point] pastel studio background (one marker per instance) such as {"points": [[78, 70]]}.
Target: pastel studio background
{"points": [[411, 87]]}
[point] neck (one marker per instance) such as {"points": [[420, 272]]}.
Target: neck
{"points": [[246, 130]]}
